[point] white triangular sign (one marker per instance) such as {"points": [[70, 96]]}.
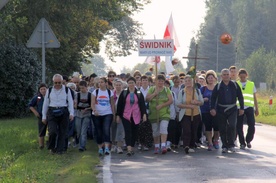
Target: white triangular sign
{"points": [[50, 39]]}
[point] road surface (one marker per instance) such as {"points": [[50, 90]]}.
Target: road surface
{"points": [[257, 164]]}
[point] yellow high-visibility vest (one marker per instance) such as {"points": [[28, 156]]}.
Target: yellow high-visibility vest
{"points": [[248, 93]]}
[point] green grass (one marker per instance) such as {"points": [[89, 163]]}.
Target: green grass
{"points": [[22, 161], [267, 115]]}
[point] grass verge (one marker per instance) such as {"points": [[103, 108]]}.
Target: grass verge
{"points": [[267, 113], [22, 161]]}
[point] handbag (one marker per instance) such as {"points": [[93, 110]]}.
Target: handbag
{"points": [[145, 134], [57, 112]]}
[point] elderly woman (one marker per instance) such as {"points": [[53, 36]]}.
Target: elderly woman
{"points": [[160, 99], [189, 114], [132, 109]]}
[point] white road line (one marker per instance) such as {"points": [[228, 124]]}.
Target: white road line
{"points": [[107, 175]]}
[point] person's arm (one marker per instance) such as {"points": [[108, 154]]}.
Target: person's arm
{"points": [[255, 102], [165, 104], [93, 104], [151, 94], [32, 105], [70, 105], [45, 106]]}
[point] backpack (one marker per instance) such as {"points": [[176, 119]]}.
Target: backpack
{"points": [[88, 100]]}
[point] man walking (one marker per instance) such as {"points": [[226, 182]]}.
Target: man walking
{"points": [[223, 106], [57, 108]]}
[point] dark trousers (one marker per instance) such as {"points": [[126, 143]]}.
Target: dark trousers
{"points": [[227, 128], [102, 125], [189, 130], [249, 113], [174, 132], [130, 131], [58, 130]]}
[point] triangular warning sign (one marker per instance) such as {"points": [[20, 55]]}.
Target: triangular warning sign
{"points": [[36, 38]]}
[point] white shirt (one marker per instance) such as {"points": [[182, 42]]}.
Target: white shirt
{"points": [[58, 98], [102, 103]]}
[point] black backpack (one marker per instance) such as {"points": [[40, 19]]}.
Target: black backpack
{"points": [[88, 100]]}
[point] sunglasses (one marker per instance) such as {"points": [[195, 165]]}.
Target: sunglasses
{"points": [[57, 83], [111, 76]]}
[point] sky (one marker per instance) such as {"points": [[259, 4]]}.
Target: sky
{"points": [[187, 17]]}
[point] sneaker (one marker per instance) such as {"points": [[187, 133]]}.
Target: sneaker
{"points": [[100, 152], [191, 150], [249, 145], [186, 149], [210, 147], [156, 150], [169, 148], [145, 148], [81, 149], [232, 149], [139, 147], [106, 151], [164, 150], [216, 144], [113, 149], [242, 147], [224, 150], [119, 150]]}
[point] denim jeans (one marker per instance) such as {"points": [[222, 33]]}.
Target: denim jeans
{"points": [[81, 125], [102, 126]]}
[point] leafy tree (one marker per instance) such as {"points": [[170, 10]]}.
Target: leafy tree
{"points": [[20, 71], [79, 26]]}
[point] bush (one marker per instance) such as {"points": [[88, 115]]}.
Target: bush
{"points": [[20, 71]]}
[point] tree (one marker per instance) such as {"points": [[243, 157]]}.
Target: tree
{"points": [[95, 65], [79, 26], [20, 71]]}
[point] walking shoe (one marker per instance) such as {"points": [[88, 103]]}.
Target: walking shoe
{"points": [[216, 144], [128, 153], [224, 150], [232, 149], [106, 151], [145, 148], [169, 149], [81, 149], [164, 150], [113, 148], [186, 149], [139, 147], [210, 147], [119, 150], [100, 152], [242, 147], [249, 145], [156, 150], [191, 150]]}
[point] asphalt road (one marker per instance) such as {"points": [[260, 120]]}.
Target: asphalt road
{"points": [[257, 164]]}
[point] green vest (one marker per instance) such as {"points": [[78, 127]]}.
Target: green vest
{"points": [[248, 93]]}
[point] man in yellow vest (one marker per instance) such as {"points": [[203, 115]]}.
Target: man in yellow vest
{"points": [[250, 108]]}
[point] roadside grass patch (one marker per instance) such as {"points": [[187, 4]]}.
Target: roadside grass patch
{"points": [[22, 161]]}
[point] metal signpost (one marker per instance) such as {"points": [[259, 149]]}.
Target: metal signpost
{"points": [[3, 3], [43, 37]]}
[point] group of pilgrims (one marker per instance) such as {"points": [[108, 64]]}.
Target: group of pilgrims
{"points": [[125, 113]]}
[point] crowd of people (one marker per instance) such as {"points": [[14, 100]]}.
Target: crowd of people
{"points": [[158, 113]]}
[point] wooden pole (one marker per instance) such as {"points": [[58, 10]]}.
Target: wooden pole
{"points": [[157, 96]]}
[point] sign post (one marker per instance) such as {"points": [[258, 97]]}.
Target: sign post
{"points": [[3, 3], [43, 37]]}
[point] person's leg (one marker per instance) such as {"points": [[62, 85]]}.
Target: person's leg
{"points": [[113, 136], [207, 121], [83, 135], [98, 124], [164, 133], [41, 133], [63, 131], [186, 129], [249, 112], [171, 133], [134, 129], [194, 130], [53, 131], [107, 120], [127, 129], [222, 123], [240, 131], [156, 137], [231, 130], [78, 122]]}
